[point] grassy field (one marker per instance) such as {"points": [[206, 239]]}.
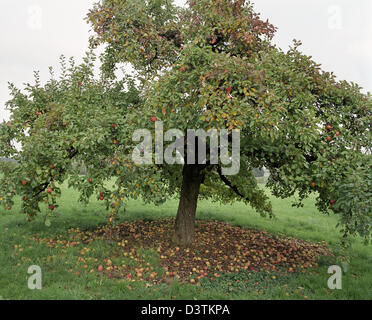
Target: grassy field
{"points": [[18, 252]]}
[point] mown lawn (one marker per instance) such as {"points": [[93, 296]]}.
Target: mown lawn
{"points": [[65, 277]]}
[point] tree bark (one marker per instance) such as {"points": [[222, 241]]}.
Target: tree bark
{"points": [[185, 221]]}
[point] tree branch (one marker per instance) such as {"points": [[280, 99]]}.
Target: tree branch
{"points": [[43, 186], [229, 184]]}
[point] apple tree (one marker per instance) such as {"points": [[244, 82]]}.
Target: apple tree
{"points": [[209, 65]]}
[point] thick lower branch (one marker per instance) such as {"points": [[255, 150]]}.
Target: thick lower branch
{"points": [[42, 187], [229, 184]]}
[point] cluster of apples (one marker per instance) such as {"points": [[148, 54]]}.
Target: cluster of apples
{"points": [[101, 196], [313, 184], [114, 126], [51, 207], [329, 128]]}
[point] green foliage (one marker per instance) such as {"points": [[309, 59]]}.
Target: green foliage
{"points": [[209, 65], [65, 120], [354, 199]]}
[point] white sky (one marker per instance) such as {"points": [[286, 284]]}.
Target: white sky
{"points": [[34, 33]]}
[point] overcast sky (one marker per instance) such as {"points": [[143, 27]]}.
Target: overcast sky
{"points": [[34, 33]]}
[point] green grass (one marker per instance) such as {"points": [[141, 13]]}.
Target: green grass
{"points": [[18, 252]]}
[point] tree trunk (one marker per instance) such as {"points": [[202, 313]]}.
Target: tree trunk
{"points": [[185, 221]]}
